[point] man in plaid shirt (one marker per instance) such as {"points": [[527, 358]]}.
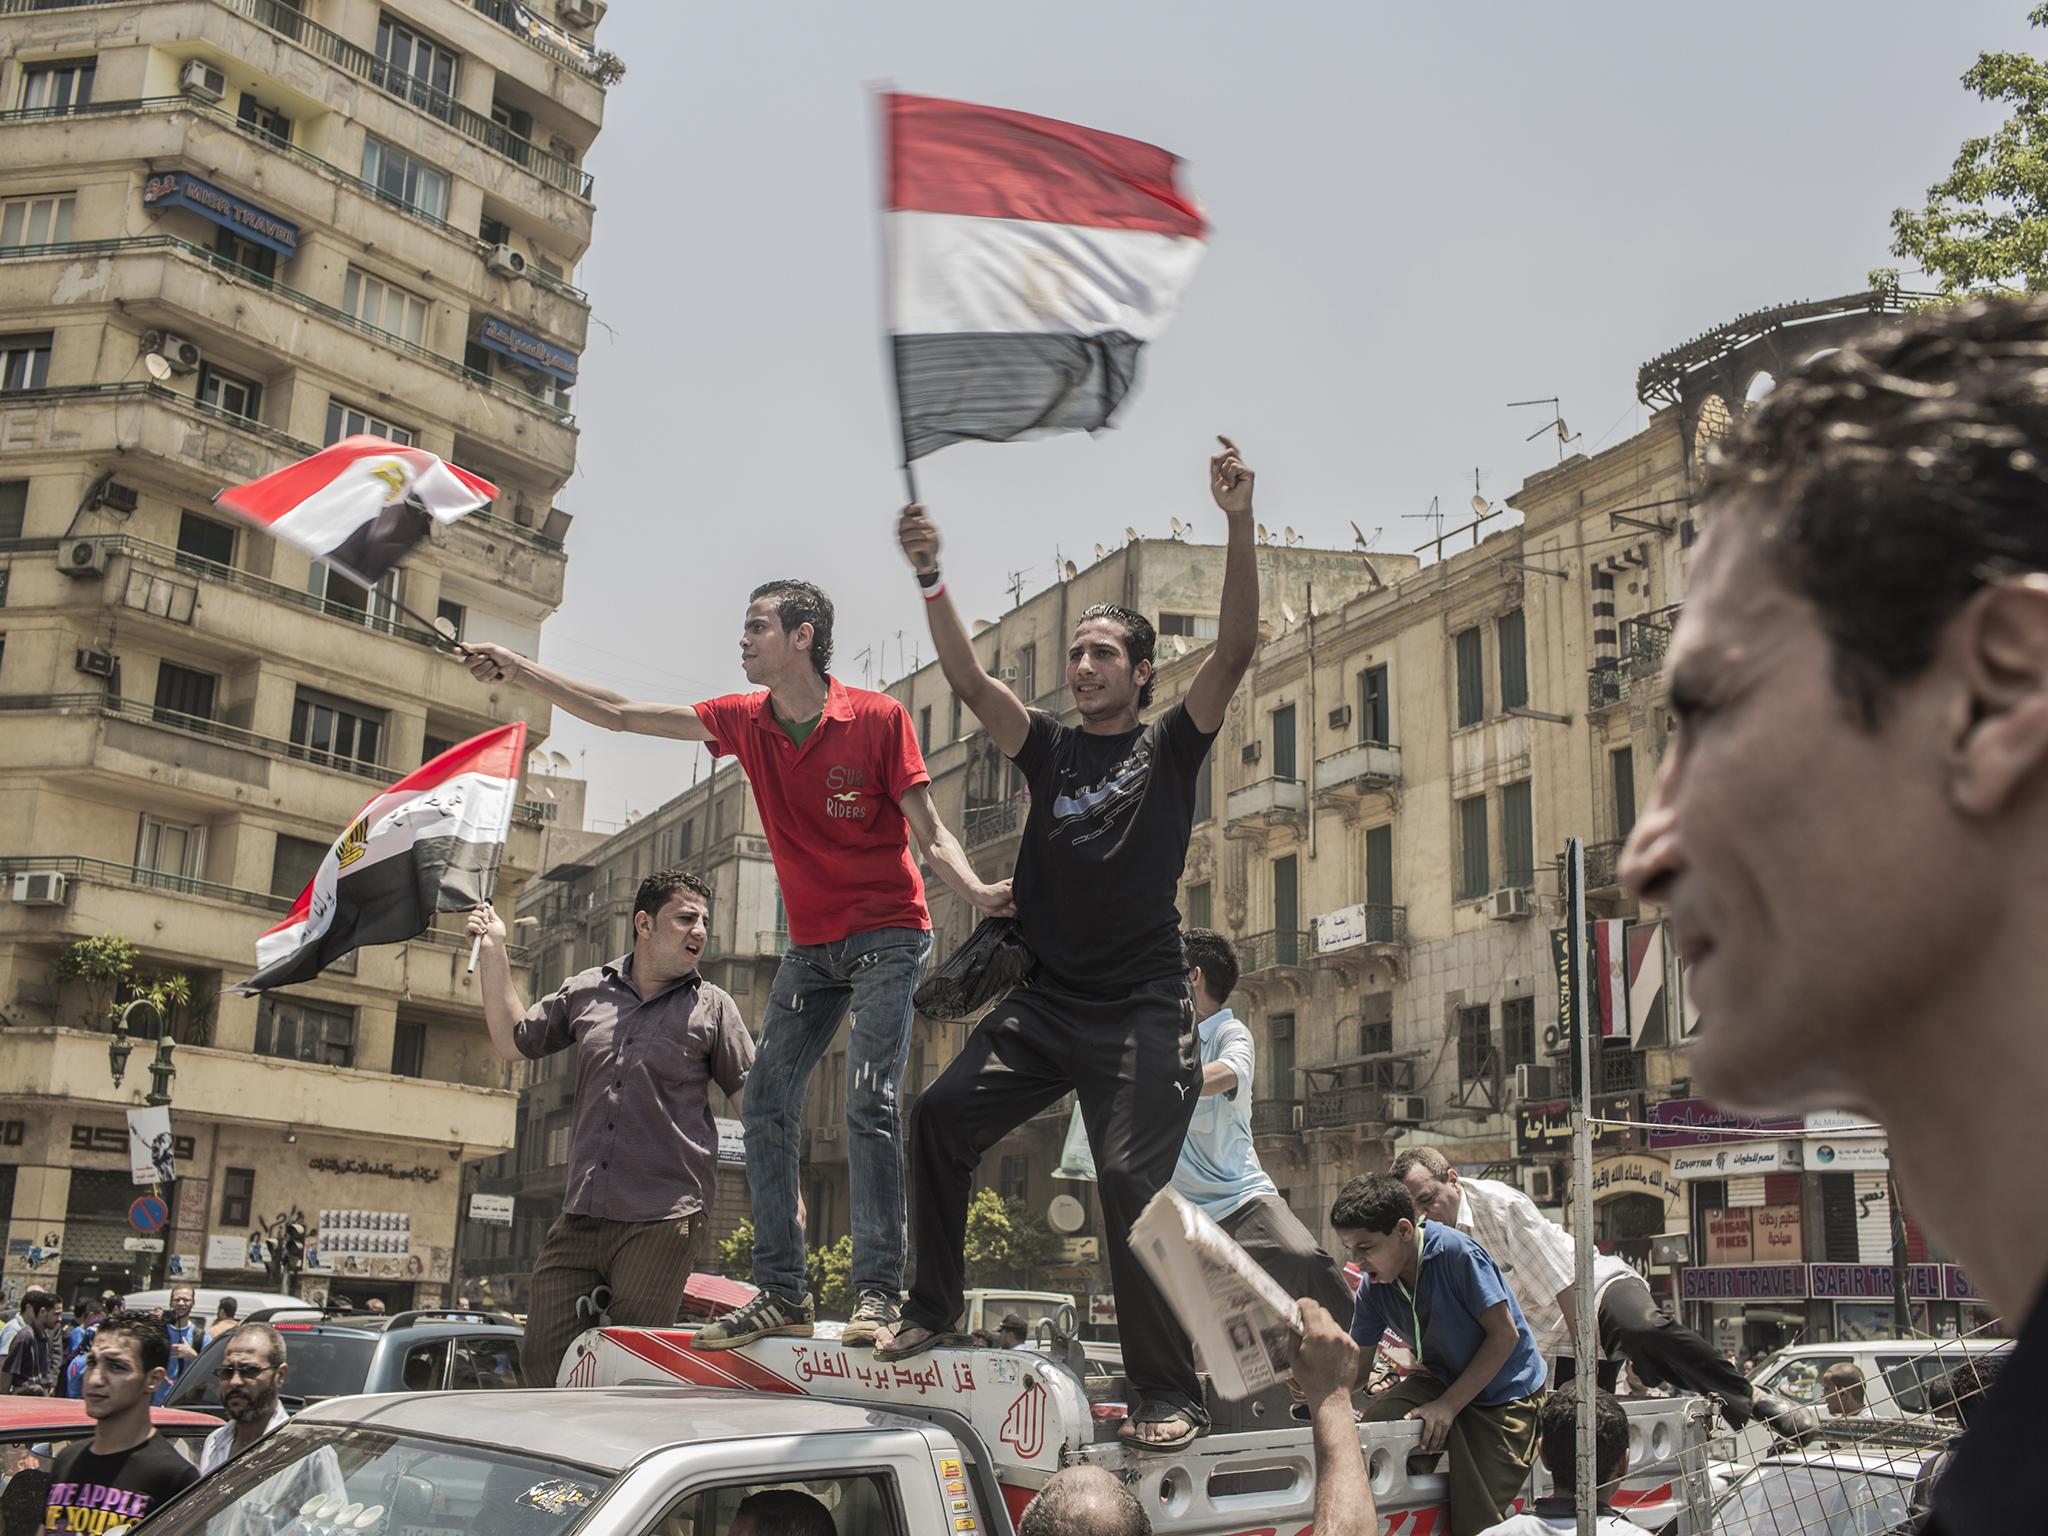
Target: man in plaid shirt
{"points": [[1535, 1257]]}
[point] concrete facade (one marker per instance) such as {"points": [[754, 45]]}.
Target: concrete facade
{"points": [[236, 230]]}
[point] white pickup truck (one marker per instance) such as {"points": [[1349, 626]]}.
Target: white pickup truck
{"points": [[656, 1439]]}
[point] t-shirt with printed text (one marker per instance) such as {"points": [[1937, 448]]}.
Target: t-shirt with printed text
{"points": [[94, 1493], [1103, 847], [829, 807]]}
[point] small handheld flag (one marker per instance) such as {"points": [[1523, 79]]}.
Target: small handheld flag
{"points": [[430, 843], [1030, 260]]}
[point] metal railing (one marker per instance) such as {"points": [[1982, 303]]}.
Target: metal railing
{"points": [[1275, 1117], [986, 823], [228, 576], [1327, 1108], [505, 14], [1277, 948], [107, 872], [129, 243], [1615, 678], [1384, 924], [189, 725], [771, 941]]}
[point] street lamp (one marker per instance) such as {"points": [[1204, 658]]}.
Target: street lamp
{"points": [[160, 1069]]}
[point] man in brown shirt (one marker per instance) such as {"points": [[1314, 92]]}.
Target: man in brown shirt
{"points": [[651, 1036]]}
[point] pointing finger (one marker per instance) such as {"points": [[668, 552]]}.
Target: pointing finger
{"points": [[1228, 446]]}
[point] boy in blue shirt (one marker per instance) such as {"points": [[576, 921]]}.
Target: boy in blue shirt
{"points": [[1479, 1380]]}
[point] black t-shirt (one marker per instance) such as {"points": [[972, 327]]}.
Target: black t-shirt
{"points": [[94, 1493], [1985, 1490], [1103, 849]]}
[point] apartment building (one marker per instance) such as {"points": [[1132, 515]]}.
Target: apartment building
{"points": [[232, 231]]}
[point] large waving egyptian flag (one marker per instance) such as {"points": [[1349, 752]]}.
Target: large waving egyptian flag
{"points": [[1030, 261], [430, 843], [360, 505]]}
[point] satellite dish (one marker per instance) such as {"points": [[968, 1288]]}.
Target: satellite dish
{"points": [[1288, 614], [561, 763], [1378, 581], [1479, 506], [1291, 536], [1358, 533], [1177, 529], [1180, 645], [445, 628], [1131, 535], [1066, 1215], [1098, 552], [1563, 432], [1071, 572], [1264, 537], [157, 365]]}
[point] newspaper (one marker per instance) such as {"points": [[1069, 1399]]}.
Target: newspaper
{"points": [[1242, 1324]]}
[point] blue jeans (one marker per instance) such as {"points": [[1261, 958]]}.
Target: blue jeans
{"points": [[876, 973]]}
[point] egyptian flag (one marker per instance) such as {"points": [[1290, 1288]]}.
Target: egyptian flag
{"points": [[1645, 982], [429, 843], [1610, 977], [361, 505], [1030, 261]]}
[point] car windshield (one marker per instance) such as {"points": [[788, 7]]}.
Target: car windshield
{"points": [[1816, 1500], [372, 1482], [329, 1363]]}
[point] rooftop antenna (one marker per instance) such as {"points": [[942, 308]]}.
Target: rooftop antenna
{"points": [[866, 658], [1436, 515], [1565, 436], [1016, 587]]}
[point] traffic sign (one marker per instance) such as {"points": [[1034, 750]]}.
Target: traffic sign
{"points": [[143, 1244], [149, 1214]]}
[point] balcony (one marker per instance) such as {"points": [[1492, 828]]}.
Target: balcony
{"points": [[1281, 954], [1356, 938], [1615, 680], [1254, 811], [1348, 778], [1603, 863], [985, 824], [70, 1065], [1354, 1094], [769, 943], [1277, 1117]]}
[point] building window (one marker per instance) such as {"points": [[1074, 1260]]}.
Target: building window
{"points": [[237, 1196], [1517, 1032], [409, 1048], [183, 692], [202, 541], [414, 67], [1205, 789], [344, 599], [1283, 742], [454, 615], [344, 420], [24, 361], [325, 729], [266, 120], [1280, 1030], [42, 220], [1514, 660], [258, 263], [1194, 626], [13, 507], [1623, 764], [493, 231], [230, 395], [57, 86], [955, 735], [1518, 834], [382, 306], [1475, 874], [432, 746], [689, 836], [1198, 906], [300, 1031], [1471, 678], [169, 850], [1375, 719], [1477, 1063], [558, 1140], [1376, 1024], [1027, 673], [293, 864], [402, 179], [1015, 1180], [924, 729]]}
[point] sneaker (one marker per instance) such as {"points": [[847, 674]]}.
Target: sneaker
{"points": [[766, 1316], [877, 1310]]}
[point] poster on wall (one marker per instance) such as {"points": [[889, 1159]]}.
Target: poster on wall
{"points": [[1730, 1237], [150, 1159], [228, 1252], [1778, 1239]]}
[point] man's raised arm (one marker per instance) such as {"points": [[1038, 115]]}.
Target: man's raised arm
{"points": [[1006, 719], [600, 706], [1237, 629]]}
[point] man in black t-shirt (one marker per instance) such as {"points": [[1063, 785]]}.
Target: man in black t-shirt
{"points": [[1107, 1014], [1850, 825], [126, 1470]]}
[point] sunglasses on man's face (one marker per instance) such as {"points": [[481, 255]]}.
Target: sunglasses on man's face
{"points": [[239, 1372]]}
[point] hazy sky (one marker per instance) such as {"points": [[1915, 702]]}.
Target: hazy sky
{"points": [[1419, 214]]}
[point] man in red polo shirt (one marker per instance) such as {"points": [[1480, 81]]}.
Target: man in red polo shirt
{"points": [[842, 790]]}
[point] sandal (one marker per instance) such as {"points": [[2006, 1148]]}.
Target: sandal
{"points": [[1194, 1424]]}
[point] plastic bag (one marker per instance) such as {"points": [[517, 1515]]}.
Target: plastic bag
{"points": [[991, 964]]}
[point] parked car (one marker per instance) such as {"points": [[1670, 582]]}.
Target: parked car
{"points": [[1857, 1477], [339, 1354], [207, 1301]]}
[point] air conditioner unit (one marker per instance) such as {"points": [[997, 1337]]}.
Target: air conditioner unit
{"points": [[1539, 1183], [1009, 674], [116, 497], [579, 13], [40, 890], [1253, 751], [505, 261], [1534, 1083], [1407, 1108], [94, 663], [201, 79], [83, 557], [1340, 717], [182, 355], [1508, 904]]}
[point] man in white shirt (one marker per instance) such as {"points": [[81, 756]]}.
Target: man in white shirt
{"points": [[1558, 1514], [1219, 1167], [248, 1379], [1535, 1256]]}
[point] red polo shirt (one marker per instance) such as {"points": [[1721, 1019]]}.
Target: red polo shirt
{"points": [[841, 845]]}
